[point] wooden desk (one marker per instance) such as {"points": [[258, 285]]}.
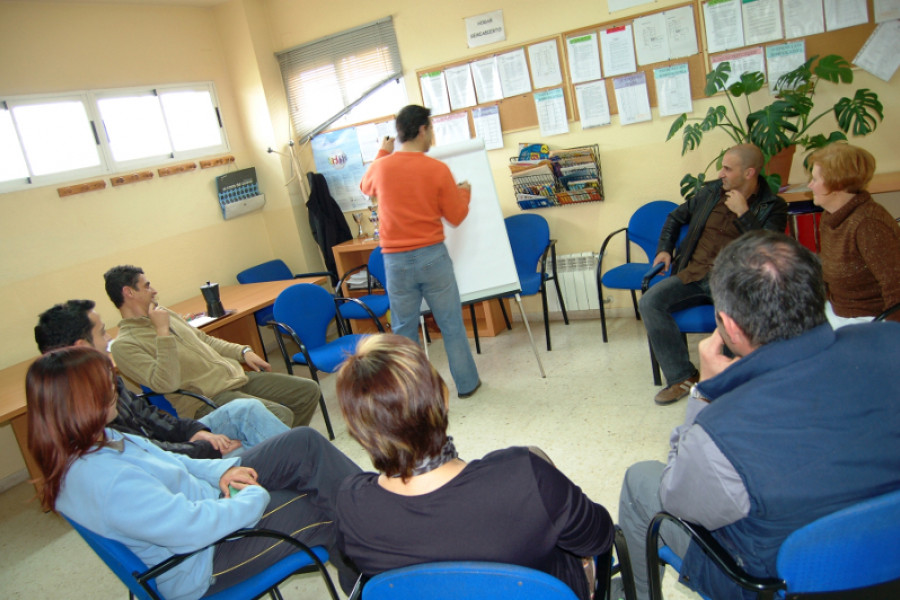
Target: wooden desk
{"points": [[354, 253], [238, 327]]}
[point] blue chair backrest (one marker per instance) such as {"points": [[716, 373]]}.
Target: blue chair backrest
{"points": [[855, 547], [307, 309], [274, 270], [376, 266], [646, 224], [159, 401], [120, 560], [529, 235], [466, 580]]}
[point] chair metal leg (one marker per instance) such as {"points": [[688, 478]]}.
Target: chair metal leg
{"points": [[324, 410], [546, 319], [624, 564], [637, 313], [603, 320], [654, 365], [475, 328]]}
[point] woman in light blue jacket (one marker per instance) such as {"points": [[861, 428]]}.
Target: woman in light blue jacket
{"points": [[157, 503]]}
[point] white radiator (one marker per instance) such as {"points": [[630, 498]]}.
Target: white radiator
{"points": [[578, 282]]}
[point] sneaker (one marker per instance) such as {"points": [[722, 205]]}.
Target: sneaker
{"points": [[472, 393], [677, 390]]}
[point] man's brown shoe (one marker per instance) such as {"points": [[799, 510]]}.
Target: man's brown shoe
{"points": [[676, 391]]}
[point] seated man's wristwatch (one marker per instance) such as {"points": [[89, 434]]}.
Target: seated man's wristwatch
{"points": [[245, 351], [697, 395]]}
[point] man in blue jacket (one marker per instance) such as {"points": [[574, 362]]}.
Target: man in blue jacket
{"points": [[800, 422], [738, 201]]}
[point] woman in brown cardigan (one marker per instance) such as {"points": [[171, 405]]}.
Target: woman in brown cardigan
{"points": [[860, 240]]}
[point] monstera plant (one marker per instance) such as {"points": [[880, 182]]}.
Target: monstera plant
{"points": [[786, 121]]}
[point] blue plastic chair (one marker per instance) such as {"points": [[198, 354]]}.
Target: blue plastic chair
{"points": [[465, 580], [161, 402], [643, 229], [529, 238], [303, 312], [851, 554], [273, 270], [141, 583], [378, 304]]}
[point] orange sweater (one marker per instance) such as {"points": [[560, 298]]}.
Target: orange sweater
{"points": [[413, 192]]}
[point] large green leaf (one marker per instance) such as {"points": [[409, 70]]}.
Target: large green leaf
{"points": [[691, 184], [678, 124], [835, 69], [854, 116], [692, 137], [749, 83], [769, 127], [715, 79], [796, 79], [714, 116], [800, 104]]}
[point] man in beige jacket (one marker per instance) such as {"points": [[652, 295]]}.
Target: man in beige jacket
{"points": [[156, 348]]}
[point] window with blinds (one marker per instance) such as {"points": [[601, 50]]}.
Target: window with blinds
{"points": [[328, 78]]}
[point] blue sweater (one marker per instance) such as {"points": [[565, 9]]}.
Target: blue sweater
{"points": [[159, 504]]}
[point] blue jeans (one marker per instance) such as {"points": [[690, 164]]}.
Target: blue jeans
{"points": [[428, 273], [245, 420], [657, 306]]}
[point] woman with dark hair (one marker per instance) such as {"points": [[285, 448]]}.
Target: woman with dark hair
{"points": [[157, 503], [860, 240], [426, 504]]}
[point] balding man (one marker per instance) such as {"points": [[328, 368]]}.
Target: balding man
{"points": [[737, 202]]}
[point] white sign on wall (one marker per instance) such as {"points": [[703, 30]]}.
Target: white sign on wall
{"points": [[485, 29]]}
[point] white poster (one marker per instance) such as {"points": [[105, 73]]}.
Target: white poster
{"points": [[487, 126], [762, 21], [784, 58], [673, 90], [618, 51], [338, 158], [651, 41], [434, 92], [724, 29], [584, 57], [513, 70], [593, 104], [880, 55], [460, 87], [632, 98], [551, 111], [802, 18], [487, 80], [544, 58]]}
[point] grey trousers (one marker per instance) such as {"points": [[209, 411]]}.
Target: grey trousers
{"points": [[292, 399], [638, 503], [303, 473]]}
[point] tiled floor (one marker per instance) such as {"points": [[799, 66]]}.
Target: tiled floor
{"points": [[593, 414]]}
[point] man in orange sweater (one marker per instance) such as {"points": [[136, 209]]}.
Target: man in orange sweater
{"points": [[414, 192]]}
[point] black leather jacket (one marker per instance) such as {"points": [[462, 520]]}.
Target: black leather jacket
{"points": [[138, 416], [767, 211]]}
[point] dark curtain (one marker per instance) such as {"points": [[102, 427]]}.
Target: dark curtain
{"points": [[329, 227]]}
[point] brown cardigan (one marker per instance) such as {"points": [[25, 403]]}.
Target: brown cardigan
{"points": [[861, 258]]}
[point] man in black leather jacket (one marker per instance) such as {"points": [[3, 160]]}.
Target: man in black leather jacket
{"points": [[240, 424], [739, 201]]}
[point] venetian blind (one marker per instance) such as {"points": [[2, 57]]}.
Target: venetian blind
{"points": [[326, 78]]}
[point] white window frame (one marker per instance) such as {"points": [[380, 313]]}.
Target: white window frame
{"points": [[108, 166]]}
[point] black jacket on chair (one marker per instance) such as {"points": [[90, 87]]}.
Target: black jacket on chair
{"points": [[329, 227], [137, 416]]}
